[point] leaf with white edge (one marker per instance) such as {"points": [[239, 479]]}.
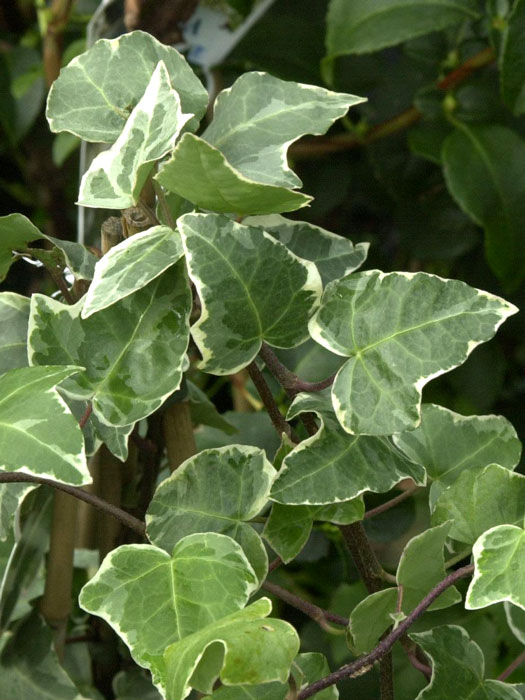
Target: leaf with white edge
{"points": [[153, 599], [400, 330], [512, 60], [16, 231], [371, 618], [458, 667], [333, 466], [252, 290], [204, 412], [11, 496], [134, 351], [479, 500], [14, 317], [333, 255], [243, 648], [131, 265], [447, 443], [515, 620], [260, 116], [77, 257], [116, 177], [217, 490], [114, 437], [491, 192], [29, 666], [288, 528], [95, 93], [499, 559], [38, 433], [201, 174]]}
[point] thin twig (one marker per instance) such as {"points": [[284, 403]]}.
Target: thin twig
{"points": [[268, 400], [366, 662], [274, 564], [290, 382], [310, 609], [392, 502], [411, 652], [512, 667], [87, 413]]}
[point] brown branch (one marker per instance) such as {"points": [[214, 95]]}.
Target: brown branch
{"points": [[268, 400], [314, 611], [366, 662], [392, 502], [290, 382], [87, 413], [512, 667]]}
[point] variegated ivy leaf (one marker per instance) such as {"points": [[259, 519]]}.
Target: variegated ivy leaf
{"points": [[16, 231], [516, 621], [14, 317], [217, 490], [133, 352], [116, 177], [11, 496], [79, 259], [201, 174], [447, 443], [499, 559], [95, 94], [114, 437], [131, 265], [38, 434], [399, 331], [333, 466], [481, 499], [458, 667], [333, 255], [251, 287], [256, 120]]}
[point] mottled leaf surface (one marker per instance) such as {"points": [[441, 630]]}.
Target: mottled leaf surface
{"points": [[252, 289], [131, 265], [334, 256], [16, 231], [11, 495], [333, 466], [512, 60], [201, 174], [133, 351], [400, 330], [95, 94], [458, 667], [14, 317], [38, 434], [116, 177], [217, 490], [499, 558], [77, 257]]}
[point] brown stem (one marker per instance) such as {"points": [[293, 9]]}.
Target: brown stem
{"points": [[268, 400], [310, 609], [178, 433], [275, 564], [290, 382], [410, 650], [392, 502], [369, 568], [366, 662], [512, 667], [87, 413], [52, 49]]}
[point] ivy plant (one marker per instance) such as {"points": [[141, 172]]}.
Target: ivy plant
{"points": [[201, 277]]}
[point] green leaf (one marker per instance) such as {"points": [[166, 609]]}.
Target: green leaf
{"points": [[78, 258], [288, 528], [400, 330], [253, 429], [116, 177], [38, 433], [242, 648], [310, 667], [64, 145], [458, 667], [333, 466], [334, 256], [29, 666], [14, 317], [114, 437], [217, 490], [266, 691], [479, 500], [134, 351], [260, 116], [490, 191], [201, 174], [251, 287], [371, 618], [11, 496], [203, 411], [132, 684], [512, 60], [499, 558], [95, 93], [447, 443], [131, 265], [16, 231], [516, 621]]}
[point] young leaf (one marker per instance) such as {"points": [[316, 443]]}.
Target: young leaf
{"points": [[251, 287], [95, 93], [512, 60], [458, 667], [14, 317], [400, 330], [133, 351], [16, 231], [201, 174], [479, 500], [334, 256], [490, 191], [499, 558], [260, 116], [218, 490], [116, 177], [38, 434], [131, 265], [333, 466]]}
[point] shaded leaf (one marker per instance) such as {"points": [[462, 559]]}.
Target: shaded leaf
{"points": [[132, 684], [253, 429], [516, 621], [400, 330], [203, 411], [251, 287], [512, 60], [16, 231], [14, 317], [370, 618], [11, 496], [78, 258]]}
